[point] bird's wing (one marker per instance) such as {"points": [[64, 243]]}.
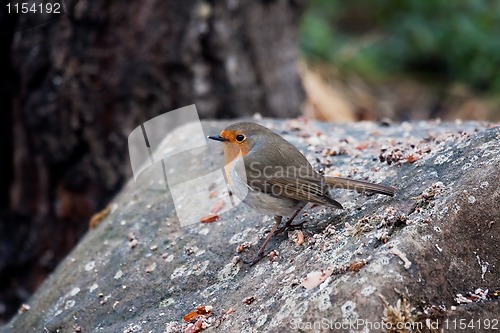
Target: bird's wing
{"points": [[287, 173], [309, 190], [301, 189]]}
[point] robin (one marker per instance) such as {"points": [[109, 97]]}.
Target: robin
{"points": [[272, 176]]}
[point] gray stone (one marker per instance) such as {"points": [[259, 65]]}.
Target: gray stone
{"points": [[405, 258]]}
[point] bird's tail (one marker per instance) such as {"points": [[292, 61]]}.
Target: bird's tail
{"points": [[359, 185]]}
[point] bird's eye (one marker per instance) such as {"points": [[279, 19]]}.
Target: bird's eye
{"points": [[240, 137]]}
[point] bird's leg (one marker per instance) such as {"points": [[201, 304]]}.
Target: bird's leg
{"points": [[296, 226], [288, 225], [260, 254]]}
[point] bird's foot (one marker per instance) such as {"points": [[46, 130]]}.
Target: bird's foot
{"points": [[291, 227], [254, 260]]}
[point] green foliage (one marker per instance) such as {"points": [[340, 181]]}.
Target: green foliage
{"points": [[449, 40]]}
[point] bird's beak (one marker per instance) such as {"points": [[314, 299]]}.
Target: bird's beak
{"points": [[217, 138]]}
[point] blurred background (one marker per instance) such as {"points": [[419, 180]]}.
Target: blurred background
{"points": [[74, 84], [404, 60]]}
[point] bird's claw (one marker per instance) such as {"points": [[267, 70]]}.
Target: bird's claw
{"points": [[290, 227], [254, 260]]}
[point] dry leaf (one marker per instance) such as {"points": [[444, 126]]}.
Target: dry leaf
{"points": [[201, 310], [97, 218], [249, 300], [243, 247], [356, 266], [151, 267], [362, 146], [298, 238], [196, 327], [218, 206], [209, 218], [411, 158], [316, 278]]}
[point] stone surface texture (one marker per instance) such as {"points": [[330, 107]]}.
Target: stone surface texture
{"points": [[428, 255]]}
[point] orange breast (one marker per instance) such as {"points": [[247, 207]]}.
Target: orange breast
{"points": [[231, 152]]}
